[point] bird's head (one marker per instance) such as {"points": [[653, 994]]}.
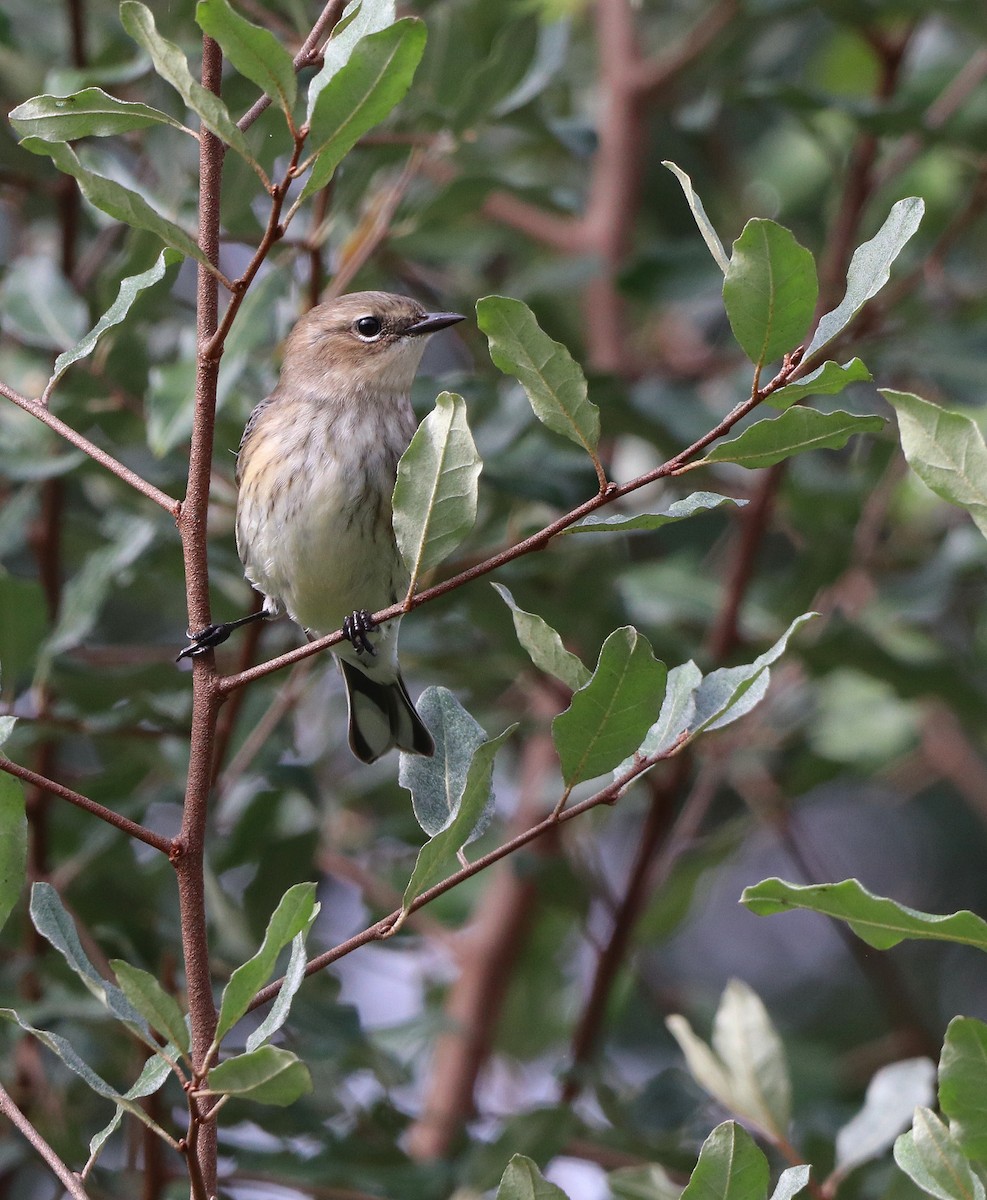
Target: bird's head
{"points": [[363, 340]]}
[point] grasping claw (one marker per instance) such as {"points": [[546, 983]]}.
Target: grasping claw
{"points": [[356, 627], [215, 635]]}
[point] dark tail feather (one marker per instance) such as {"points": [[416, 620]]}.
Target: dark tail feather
{"points": [[382, 716]]}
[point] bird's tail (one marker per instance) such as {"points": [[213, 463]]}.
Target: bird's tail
{"points": [[382, 716]]}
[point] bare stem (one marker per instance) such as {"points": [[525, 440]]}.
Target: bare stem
{"points": [[69, 1180], [37, 409], [131, 828]]}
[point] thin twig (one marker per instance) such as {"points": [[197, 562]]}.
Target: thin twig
{"points": [[37, 409], [70, 1181], [383, 929], [131, 828]]}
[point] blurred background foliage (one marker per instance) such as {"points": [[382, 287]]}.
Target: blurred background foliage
{"points": [[524, 1010]]}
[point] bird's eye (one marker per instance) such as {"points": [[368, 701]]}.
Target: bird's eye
{"points": [[368, 327]]}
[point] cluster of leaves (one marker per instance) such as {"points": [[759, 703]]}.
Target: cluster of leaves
{"points": [[524, 80]]}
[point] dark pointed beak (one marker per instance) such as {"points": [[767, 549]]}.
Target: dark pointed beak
{"points": [[431, 322]]}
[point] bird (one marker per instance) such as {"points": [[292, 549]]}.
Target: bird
{"points": [[315, 473]]}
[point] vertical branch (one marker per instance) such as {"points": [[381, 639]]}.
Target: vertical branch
{"points": [[205, 701]]}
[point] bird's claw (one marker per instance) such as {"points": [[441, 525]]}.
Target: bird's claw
{"points": [[356, 628], [206, 639]]}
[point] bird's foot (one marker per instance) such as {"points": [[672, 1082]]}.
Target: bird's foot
{"points": [[356, 628], [205, 639], [215, 635]]}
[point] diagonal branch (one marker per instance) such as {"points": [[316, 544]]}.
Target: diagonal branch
{"points": [[70, 1181], [53, 788], [37, 409]]}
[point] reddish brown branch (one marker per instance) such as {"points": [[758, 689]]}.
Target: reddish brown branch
{"points": [[384, 928], [124, 824], [37, 409], [69, 1180]]}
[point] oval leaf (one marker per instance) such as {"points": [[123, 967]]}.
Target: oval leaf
{"points": [[358, 20], [828, 380], [770, 291], [946, 451], [870, 269], [436, 488], [255, 52], [293, 915], [930, 1157], [544, 645], [438, 854], [610, 715], [553, 380], [360, 95], [963, 1084], [130, 289], [880, 922], [523, 1181], [171, 64], [152, 1002], [689, 506], [269, 1075], [893, 1094], [89, 113], [730, 1167], [794, 432], [116, 200], [437, 783]]}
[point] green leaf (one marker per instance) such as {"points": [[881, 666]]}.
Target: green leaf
{"points": [[117, 201], [730, 1167], [678, 510], [678, 709], [945, 450], [56, 926], [129, 291], [40, 306], [880, 922], [437, 783], [770, 291], [544, 645], [255, 52], [744, 1068], [963, 1084], [89, 113], [359, 96], [293, 915], [268, 1075], [553, 380], [436, 488], [610, 715], [151, 1000], [360, 18], [699, 214], [728, 693], [438, 854], [828, 380], [67, 1053], [13, 843], [523, 1181], [294, 976], [794, 432], [171, 64], [156, 1070], [930, 1157], [870, 269], [893, 1094]]}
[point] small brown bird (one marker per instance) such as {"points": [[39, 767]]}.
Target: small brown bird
{"points": [[316, 470]]}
